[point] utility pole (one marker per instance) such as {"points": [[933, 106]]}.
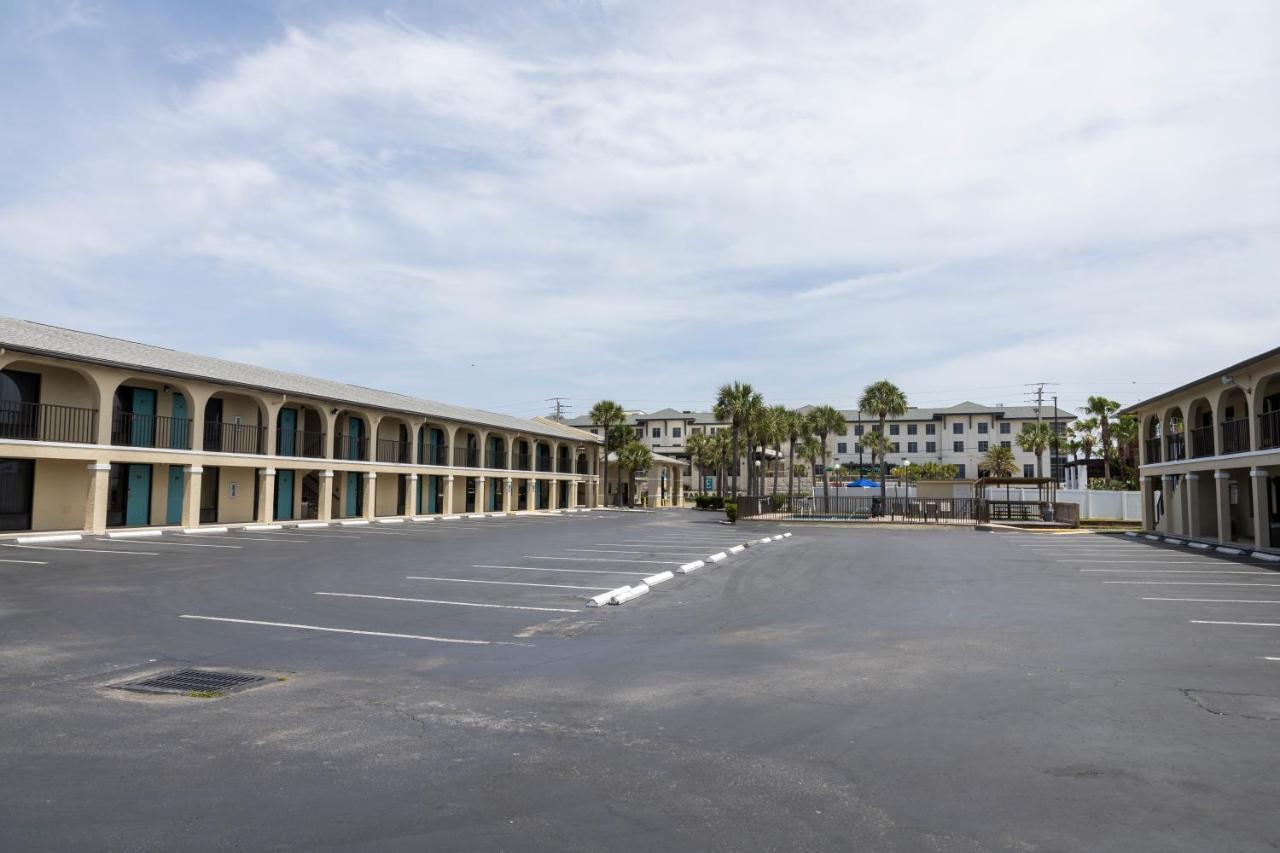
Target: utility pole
{"points": [[560, 407]]}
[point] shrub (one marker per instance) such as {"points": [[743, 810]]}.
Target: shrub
{"points": [[777, 502], [731, 511], [709, 502]]}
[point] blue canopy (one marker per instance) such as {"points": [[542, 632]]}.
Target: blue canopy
{"points": [[864, 483]]}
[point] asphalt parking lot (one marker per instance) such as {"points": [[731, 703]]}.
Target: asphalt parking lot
{"points": [[442, 685]]}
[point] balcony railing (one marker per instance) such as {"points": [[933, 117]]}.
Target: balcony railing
{"points": [[134, 430], [1177, 447], [564, 466], [1235, 436], [583, 467], [234, 438], [47, 422], [495, 457], [1269, 430], [520, 461], [544, 463], [466, 457], [390, 450], [435, 454], [1153, 450], [354, 448], [296, 442], [1202, 442]]}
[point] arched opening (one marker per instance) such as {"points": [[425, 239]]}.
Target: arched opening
{"points": [[234, 423], [1200, 428], [1175, 435], [393, 441], [564, 463], [542, 456], [40, 402], [351, 436], [1233, 420], [1152, 441], [520, 459], [1266, 397], [433, 446], [300, 431], [467, 452], [495, 452]]}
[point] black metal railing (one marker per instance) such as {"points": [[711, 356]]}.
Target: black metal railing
{"points": [[520, 461], [544, 463], [466, 457], [436, 454], [349, 447], [1153, 450], [133, 430], [918, 510], [495, 457], [583, 467], [564, 465], [234, 438], [1235, 436], [390, 450], [296, 442], [47, 422], [1177, 446], [1201, 442], [1269, 430]]}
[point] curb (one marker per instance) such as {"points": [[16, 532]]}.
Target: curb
{"points": [[304, 525], [256, 527], [57, 537], [354, 522], [660, 577], [690, 567], [205, 529], [133, 534]]}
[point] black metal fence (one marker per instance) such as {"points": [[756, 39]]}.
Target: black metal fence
{"points": [[234, 438], [47, 422], [899, 509], [129, 429]]}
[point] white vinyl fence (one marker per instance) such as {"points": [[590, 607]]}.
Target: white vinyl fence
{"points": [[1095, 504]]}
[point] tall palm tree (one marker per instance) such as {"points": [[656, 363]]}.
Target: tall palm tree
{"points": [[699, 446], [752, 426], [810, 448], [824, 420], [795, 428], [778, 426], [733, 401], [877, 444], [718, 451], [1037, 437], [634, 457], [1083, 429], [1102, 409], [884, 400], [999, 462], [608, 416], [1125, 432]]}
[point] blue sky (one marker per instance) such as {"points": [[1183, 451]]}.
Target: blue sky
{"points": [[492, 204]]}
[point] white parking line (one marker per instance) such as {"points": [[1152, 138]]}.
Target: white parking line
{"points": [[151, 543], [1177, 572], [453, 603], [598, 560], [564, 571], [1217, 600], [269, 538], [1196, 583], [45, 563], [349, 631], [607, 551], [508, 583], [1251, 624], [87, 550], [1163, 563]]}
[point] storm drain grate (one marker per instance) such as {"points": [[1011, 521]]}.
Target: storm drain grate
{"points": [[204, 681]]}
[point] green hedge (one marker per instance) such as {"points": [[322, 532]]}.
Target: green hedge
{"points": [[731, 511], [709, 502]]}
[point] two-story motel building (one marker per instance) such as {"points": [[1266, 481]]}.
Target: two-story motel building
{"points": [[97, 433], [1211, 456]]}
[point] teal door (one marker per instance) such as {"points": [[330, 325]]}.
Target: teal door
{"points": [[288, 439], [433, 489], [178, 429], [284, 495], [354, 427], [144, 420], [173, 509], [353, 494], [137, 507]]}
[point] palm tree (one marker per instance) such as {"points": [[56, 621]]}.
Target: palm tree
{"points": [[608, 416], [824, 420], [999, 462], [882, 399], [752, 426], [699, 447], [1103, 409], [779, 416], [877, 444], [720, 450], [810, 448], [1125, 432], [794, 428], [733, 402], [633, 456], [1036, 438]]}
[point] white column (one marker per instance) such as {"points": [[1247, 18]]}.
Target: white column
{"points": [[1261, 519], [1192, 516], [411, 497], [370, 493], [532, 500], [448, 494], [192, 478], [507, 495], [1148, 503], [573, 494], [480, 485], [324, 512], [266, 494], [1166, 485], [1222, 481], [95, 508]]}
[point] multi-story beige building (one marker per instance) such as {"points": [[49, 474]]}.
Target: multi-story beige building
{"points": [[957, 435], [97, 433], [1211, 456]]}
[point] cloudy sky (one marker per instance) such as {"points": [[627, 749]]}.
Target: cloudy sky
{"points": [[495, 203]]}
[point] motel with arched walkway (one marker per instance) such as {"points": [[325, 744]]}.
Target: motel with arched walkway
{"points": [[1211, 456], [99, 433]]}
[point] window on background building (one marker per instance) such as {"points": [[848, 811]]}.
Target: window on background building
{"points": [[930, 429], [657, 432], [842, 447], [982, 428], [857, 430], [1004, 429], [595, 431], [957, 446], [957, 428], [1008, 444], [911, 447], [931, 447], [982, 447], [676, 432], [960, 472], [893, 429], [1028, 470], [911, 429]]}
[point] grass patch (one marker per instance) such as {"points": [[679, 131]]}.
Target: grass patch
{"points": [[204, 694], [282, 678]]}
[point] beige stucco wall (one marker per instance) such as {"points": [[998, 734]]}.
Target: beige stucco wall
{"points": [[386, 486], [240, 508], [60, 386], [61, 489]]}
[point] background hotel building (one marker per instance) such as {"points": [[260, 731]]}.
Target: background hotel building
{"points": [[956, 435], [97, 432], [1211, 456]]}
